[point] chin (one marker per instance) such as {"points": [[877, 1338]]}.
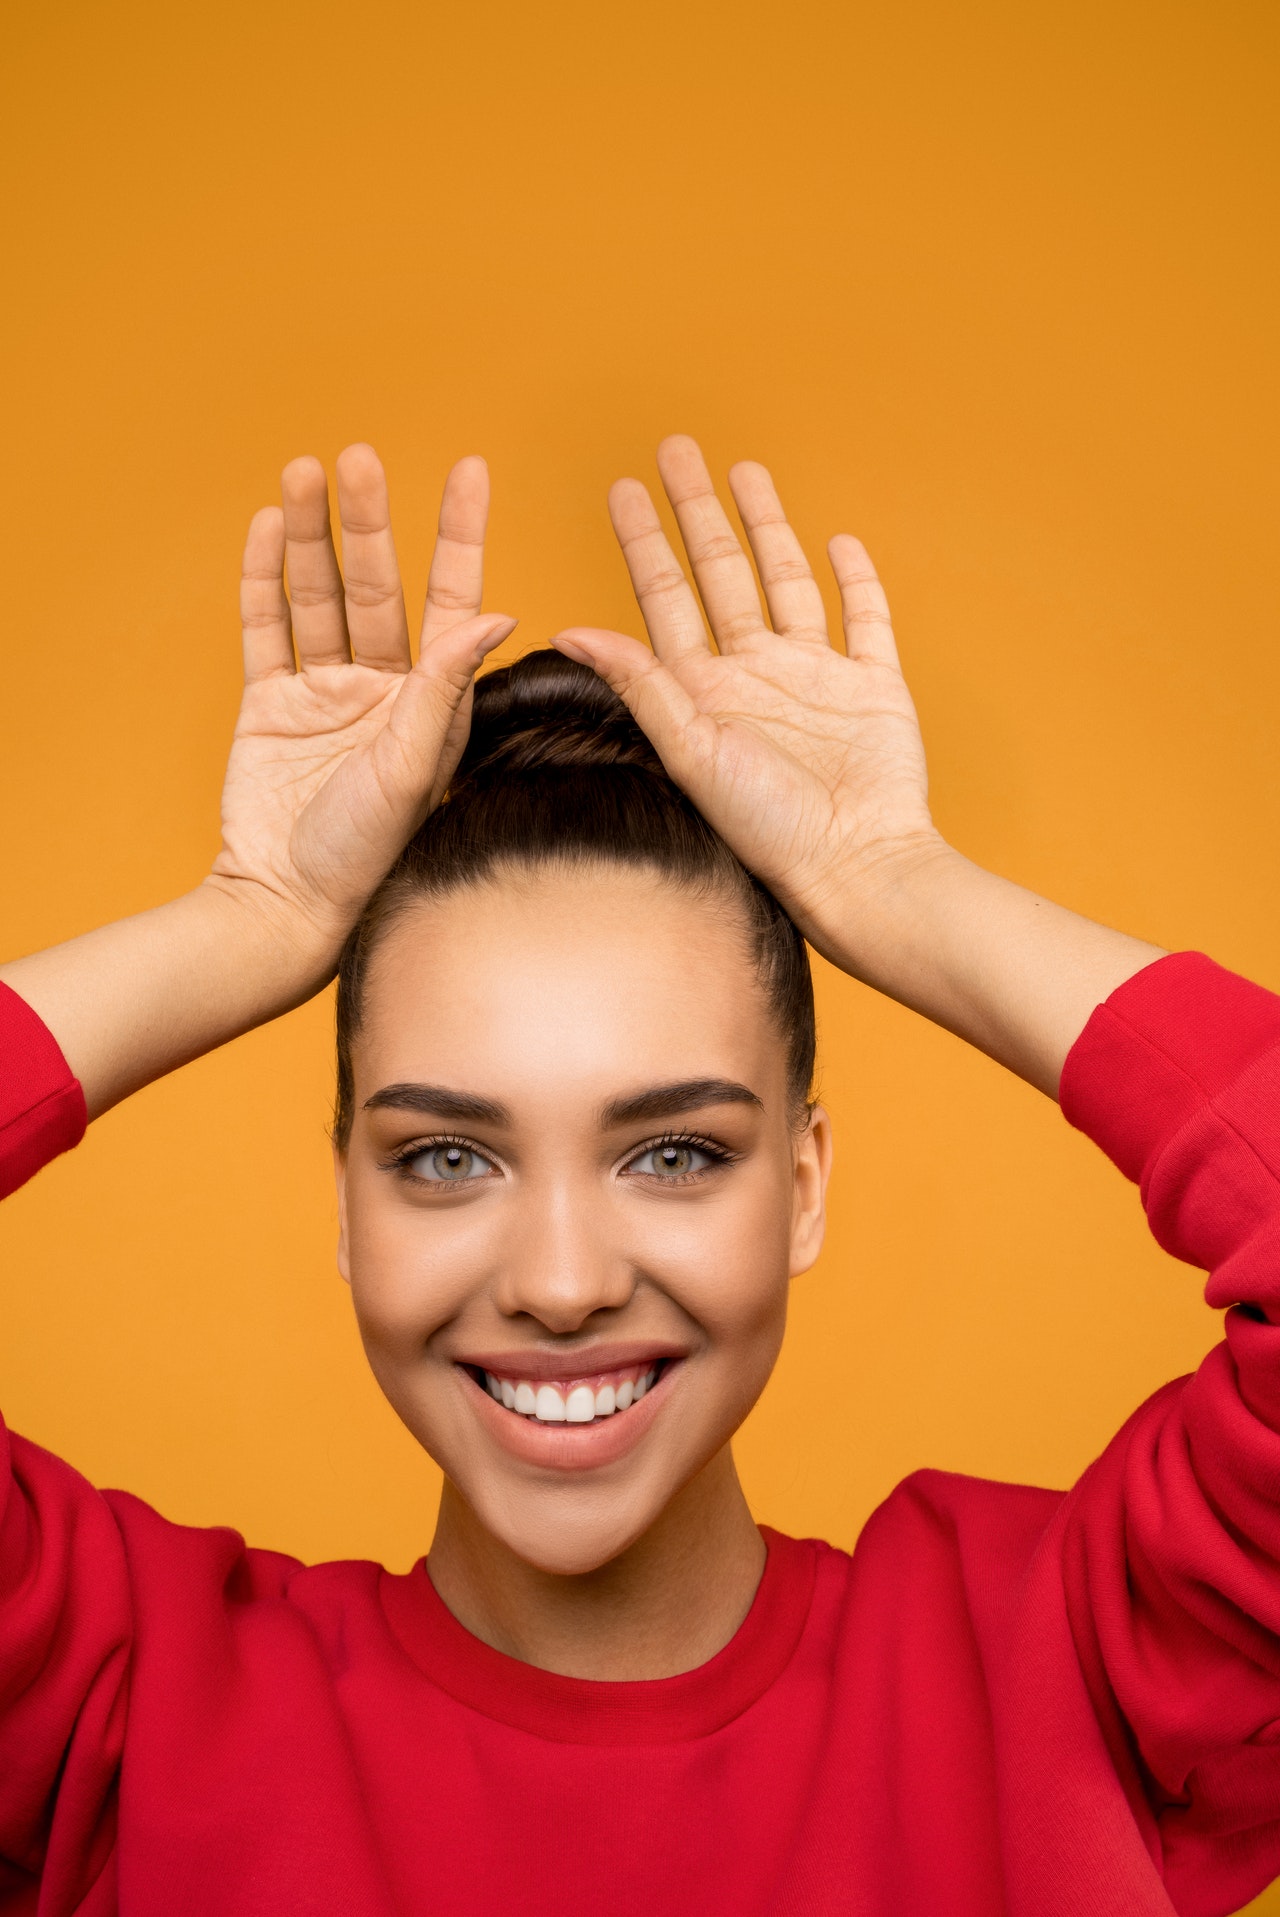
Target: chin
{"points": [[551, 1537]]}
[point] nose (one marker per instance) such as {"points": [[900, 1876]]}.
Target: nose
{"points": [[561, 1265]]}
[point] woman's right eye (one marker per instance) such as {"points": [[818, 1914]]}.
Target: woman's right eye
{"points": [[449, 1164]]}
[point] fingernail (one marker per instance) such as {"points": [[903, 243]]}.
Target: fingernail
{"points": [[500, 630], [571, 649]]}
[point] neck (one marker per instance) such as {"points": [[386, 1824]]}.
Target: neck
{"points": [[666, 1605]]}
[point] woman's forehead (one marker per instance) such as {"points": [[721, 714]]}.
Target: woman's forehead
{"points": [[583, 978]]}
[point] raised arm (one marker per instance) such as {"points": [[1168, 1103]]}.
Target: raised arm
{"points": [[341, 747], [809, 762]]}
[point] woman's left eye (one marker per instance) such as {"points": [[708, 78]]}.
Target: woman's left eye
{"points": [[449, 1164], [672, 1160]]}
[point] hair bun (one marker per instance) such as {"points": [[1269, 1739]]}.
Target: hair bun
{"points": [[546, 711]]}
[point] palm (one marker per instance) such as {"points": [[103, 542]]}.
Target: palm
{"points": [[336, 758], [808, 761]]}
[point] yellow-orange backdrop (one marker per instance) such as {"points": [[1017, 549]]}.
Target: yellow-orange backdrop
{"points": [[994, 286]]}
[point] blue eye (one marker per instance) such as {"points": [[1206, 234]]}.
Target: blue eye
{"points": [[675, 1159], [449, 1164]]}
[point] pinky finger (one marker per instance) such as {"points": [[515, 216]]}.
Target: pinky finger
{"points": [[264, 608], [868, 630]]}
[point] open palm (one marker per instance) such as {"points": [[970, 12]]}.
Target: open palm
{"points": [[343, 744], [807, 760]]}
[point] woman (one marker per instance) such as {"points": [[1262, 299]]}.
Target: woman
{"points": [[578, 1164]]}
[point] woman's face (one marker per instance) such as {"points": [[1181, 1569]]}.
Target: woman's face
{"points": [[573, 1181]]}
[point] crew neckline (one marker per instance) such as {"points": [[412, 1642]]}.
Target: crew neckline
{"points": [[577, 1710]]}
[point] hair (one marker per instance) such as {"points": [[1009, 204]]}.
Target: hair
{"points": [[557, 772]]}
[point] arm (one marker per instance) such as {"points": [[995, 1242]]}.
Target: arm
{"points": [[1155, 1599], [341, 747], [1168, 1549], [809, 762]]}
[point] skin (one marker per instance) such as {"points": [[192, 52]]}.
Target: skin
{"points": [[807, 759], [573, 1240]]}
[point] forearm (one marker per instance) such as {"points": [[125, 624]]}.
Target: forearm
{"points": [[134, 1000], [1012, 973]]}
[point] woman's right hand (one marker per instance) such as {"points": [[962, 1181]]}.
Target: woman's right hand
{"points": [[342, 747], [343, 744]]}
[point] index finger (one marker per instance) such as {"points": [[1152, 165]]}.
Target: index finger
{"points": [[672, 616], [456, 583]]}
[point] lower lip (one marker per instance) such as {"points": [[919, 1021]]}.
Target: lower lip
{"points": [[572, 1447]]}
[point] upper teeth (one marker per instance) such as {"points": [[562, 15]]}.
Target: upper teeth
{"points": [[579, 1405]]}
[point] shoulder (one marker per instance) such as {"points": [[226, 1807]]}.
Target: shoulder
{"points": [[940, 1532], [165, 1553]]}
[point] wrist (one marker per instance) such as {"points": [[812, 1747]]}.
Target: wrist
{"points": [[285, 951], [867, 914]]}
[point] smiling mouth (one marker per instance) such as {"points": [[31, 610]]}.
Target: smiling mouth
{"points": [[578, 1401]]}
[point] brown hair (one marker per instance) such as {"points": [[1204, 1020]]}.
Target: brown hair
{"points": [[556, 771]]}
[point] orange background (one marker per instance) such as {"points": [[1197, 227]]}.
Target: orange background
{"points": [[994, 286]]}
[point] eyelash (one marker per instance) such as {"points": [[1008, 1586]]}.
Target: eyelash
{"points": [[400, 1161], [718, 1154]]}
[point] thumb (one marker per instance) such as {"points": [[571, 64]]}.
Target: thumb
{"points": [[652, 694], [429, 696]]}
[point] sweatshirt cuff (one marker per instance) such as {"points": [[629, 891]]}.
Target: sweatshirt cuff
{"points": [[1165, 1044], [42, 1110]]}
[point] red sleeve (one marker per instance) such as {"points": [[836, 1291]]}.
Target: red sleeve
{"points": [[65, 1634], [1172, 1541], [41, 1105]]}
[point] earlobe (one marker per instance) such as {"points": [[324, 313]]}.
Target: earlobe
{"points": [[813, 1157], [340, 1180]]}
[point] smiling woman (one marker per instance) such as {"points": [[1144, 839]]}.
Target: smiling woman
{"points": [[639, 1176], [579, 1165]]}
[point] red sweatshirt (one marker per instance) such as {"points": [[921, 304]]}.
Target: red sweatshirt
{"points": [[1005, 1701]]}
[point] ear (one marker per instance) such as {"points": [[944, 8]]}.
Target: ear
{"points": [[812, 1169], [340, 1180]]}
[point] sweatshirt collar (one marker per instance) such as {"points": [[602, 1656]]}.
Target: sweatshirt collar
{"points": [[574, 1710]]}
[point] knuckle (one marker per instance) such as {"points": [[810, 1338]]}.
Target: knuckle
{"points": [[867, 616], [451, 598], [371, 593], [664, 580], [789, 570], [308, 597], [717, 546], [739, 625]]}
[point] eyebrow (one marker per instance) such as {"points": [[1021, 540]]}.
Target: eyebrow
{"points": [[439, 1101], [656, 1101], [682, 1095]]}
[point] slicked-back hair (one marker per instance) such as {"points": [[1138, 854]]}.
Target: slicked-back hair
{"points": [[557, 772]]}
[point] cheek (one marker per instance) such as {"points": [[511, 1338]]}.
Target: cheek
{"points": [[411, 1272], [726, 1263]]}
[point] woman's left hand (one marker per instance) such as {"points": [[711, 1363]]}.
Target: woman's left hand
{"points": [[808, 761]]}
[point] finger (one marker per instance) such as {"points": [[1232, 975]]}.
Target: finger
{"points": [[423, 718], [264, 609], [723, 571], [791, 592], [868, 631], [455, 743], [672, 615], [651, 693], [371, 575], [315, 584], [456, 584]]}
